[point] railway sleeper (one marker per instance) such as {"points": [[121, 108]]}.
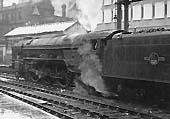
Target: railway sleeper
{"points": [[79, 106]]}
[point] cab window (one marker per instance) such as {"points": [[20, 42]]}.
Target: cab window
{"points": [[94, 44]]}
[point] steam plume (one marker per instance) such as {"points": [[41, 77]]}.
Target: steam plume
{"points": [[91, 69], [90, 12], [36, 1], [87, 12]]}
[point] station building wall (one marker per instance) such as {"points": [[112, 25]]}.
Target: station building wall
{"points": [[145, 14]]}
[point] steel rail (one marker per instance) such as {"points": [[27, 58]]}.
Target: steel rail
{"points": [[44, 108], [100, 104]]}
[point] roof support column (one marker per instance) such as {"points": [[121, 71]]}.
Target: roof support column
{"points": [[126, 15], [119, 16]]}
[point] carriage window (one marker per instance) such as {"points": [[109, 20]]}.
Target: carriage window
{"points": [[94, 44]]}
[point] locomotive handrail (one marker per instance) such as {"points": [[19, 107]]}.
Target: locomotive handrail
{"points": [[49, 47], [48, 59], [113, 33], [36, 58]]}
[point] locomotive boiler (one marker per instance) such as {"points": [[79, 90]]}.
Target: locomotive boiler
{"points": [[52, 60], [131, 63]]}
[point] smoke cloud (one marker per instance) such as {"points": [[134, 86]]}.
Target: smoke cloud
{"points": [[90, 12], [36, 1], [87, 12], [9, 2], [91, 69]]}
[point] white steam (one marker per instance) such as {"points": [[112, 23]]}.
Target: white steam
{"points": [[91, 69], [36, 1], [87, 12], [90, 12]]}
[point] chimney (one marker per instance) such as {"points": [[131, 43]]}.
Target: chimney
{"points": [[63, 10], [14, 4], [1, 4]]}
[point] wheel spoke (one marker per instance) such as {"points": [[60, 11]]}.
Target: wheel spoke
{"points": [[33, 77]]}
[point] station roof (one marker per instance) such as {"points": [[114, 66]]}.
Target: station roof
{"points": [[38, 29]]}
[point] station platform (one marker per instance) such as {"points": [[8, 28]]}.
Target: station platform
{"points": [[11, 108]]}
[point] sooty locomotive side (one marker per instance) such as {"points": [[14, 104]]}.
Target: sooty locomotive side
{"points": [[52, 60], [138, 63]]}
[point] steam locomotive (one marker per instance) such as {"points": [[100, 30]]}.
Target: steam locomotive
{"points": [[137, 63], [52, 60]]}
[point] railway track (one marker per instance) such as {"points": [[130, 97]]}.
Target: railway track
{"points": [[70, 106]]}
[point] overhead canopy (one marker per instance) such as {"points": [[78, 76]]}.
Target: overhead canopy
{"points": [[45, 28]]}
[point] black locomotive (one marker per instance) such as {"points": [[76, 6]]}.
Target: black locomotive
{"points": [[52, 60], [130, 62]]}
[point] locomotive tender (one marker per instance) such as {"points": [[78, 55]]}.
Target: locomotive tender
{"points": [[134, 62]]}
